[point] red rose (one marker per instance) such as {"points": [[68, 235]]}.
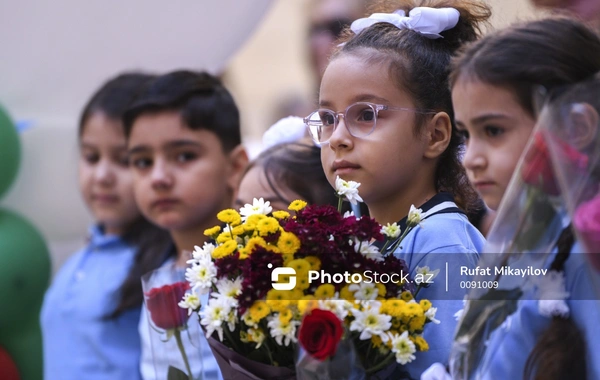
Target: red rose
{"points": [[8, 368], [163, 305], [537, 164], [320, 333]]}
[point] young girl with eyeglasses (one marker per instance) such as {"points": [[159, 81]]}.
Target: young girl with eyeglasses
{"points": [[386, 121]]}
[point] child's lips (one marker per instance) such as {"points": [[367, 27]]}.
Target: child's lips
{"points": [[105, 198], [483, 185], [341, 167], [164, 203]]}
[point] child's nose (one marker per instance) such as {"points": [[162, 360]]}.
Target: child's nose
{"points": [[104, 172], [474, 157], [340, 137], [161, 175]]}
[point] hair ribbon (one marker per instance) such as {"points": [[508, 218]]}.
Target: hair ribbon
{"points": [[429, 22]]}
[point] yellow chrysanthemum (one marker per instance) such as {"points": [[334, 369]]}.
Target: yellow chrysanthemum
{"points": [[267, 226], [286, 316], [315, 262], [406, 295], [244, 336], [229, 216], [393, 307], [255, 242], [244, 253], [254, 219], [224, 237], [238, 230], [347, 294], [258, 311], [302, 281], [281, 214], [297, 205], [417, 323], [396, 323], [212, 231], [278, 300], [324, 292], [381, 290], [420, 342], [224, 249], [425, 304], [272, 248], [287, 258], [288, 243], [300, 266]]}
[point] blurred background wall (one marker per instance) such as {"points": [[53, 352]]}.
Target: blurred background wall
{"points": [[259, 46]]}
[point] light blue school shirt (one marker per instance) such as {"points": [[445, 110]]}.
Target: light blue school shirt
{"points": [[201, 359], [443, 240], [510, 345], [79, 342]]}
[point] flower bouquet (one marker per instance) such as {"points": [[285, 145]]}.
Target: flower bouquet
{"points": [[174, 348], [270, 270]]}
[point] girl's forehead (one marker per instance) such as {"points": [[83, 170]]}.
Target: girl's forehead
{"points": [[352, 77]]}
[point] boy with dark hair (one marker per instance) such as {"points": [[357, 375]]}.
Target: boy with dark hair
{"points": [[187, 160]]}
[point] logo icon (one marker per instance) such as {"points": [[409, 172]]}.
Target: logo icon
{"points": [[283, 271]]}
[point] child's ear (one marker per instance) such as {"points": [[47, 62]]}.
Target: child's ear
{"points": [[438, 134], [238, 160]]}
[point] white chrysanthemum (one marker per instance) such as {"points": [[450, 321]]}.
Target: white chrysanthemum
{"points": [[202, 254], [403, 347], [369, 322], [414, 216], [367, 250], [430, 314], [229, 289], [190, 301], [201, 276], [348, 214], [364, 291], [425, 274], [337, 306], [392, 231], [258, 206], [348, 189], [284, 333], [214, 315]]}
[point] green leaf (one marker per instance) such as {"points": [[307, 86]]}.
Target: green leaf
{"points": [[176, 374]]}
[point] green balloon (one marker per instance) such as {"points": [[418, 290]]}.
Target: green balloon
{"points": [[24, 276], [10, 152]]}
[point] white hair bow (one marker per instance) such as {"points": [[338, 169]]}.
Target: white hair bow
{"points": [[429, 22]]}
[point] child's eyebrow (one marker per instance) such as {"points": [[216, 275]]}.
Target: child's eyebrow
{"points": [[139, 149], [182, 143], [487, 117]]}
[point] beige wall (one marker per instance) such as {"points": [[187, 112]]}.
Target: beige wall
{"points": [[273, 63]]}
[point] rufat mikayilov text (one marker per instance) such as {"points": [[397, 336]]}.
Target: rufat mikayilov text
{"points": [[505, 270]]}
